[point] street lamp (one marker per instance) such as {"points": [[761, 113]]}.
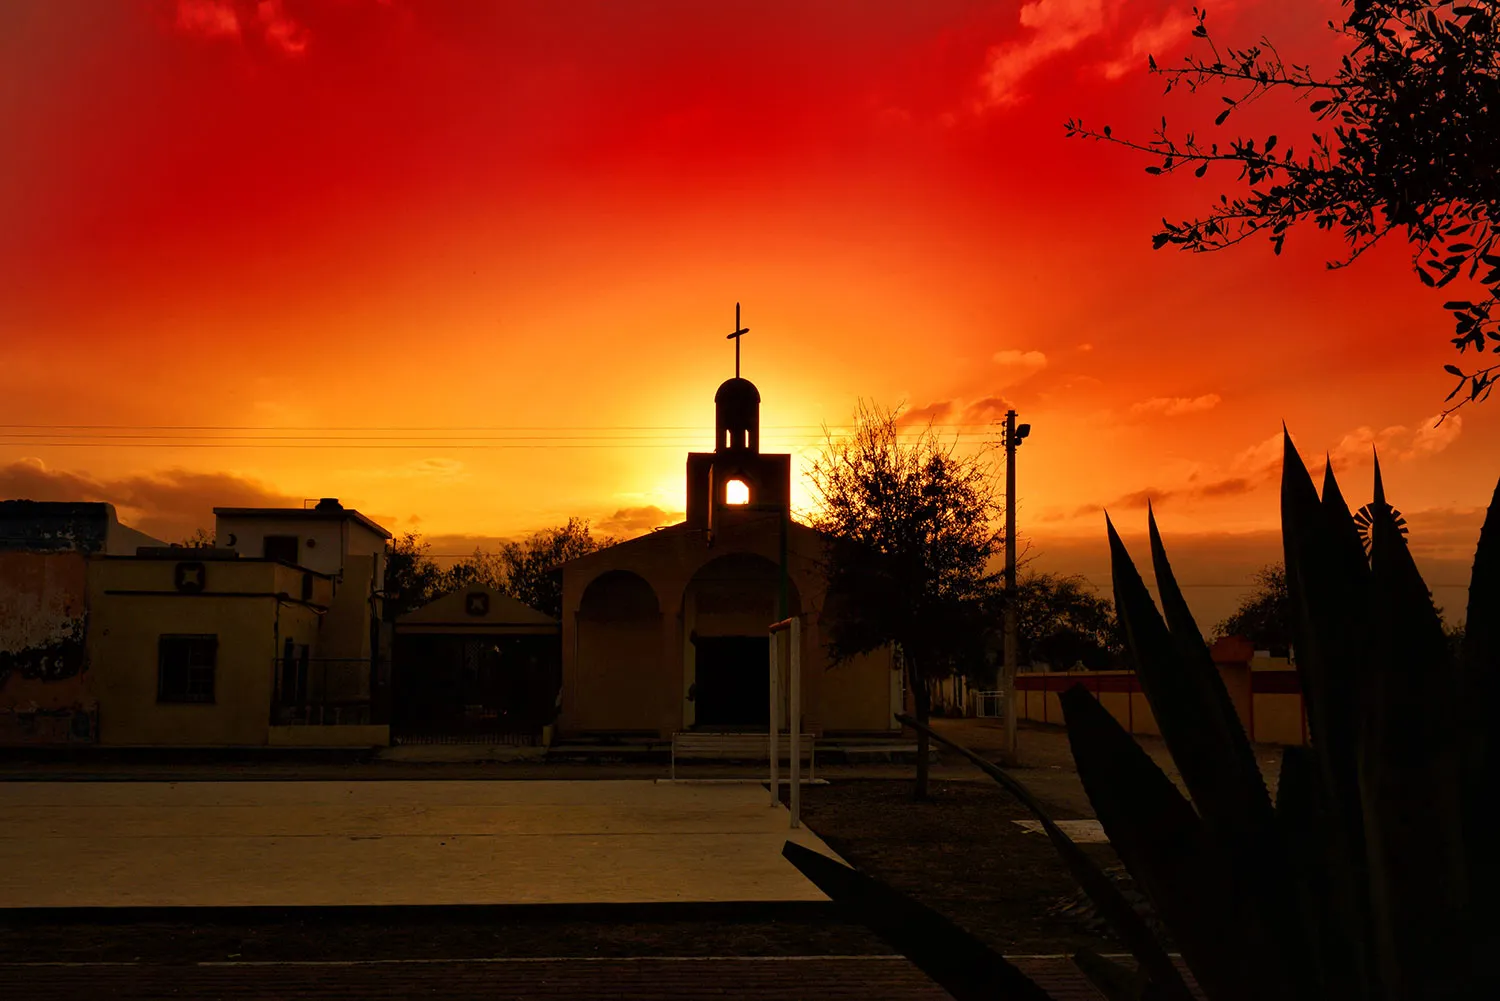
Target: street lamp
{"points": [[1015, 434]]}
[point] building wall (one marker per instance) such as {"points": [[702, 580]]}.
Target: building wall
{"points": [[45, 550], [45, 694], [620, 675], [323, 541], [346, 632], [135, 603], [634, 675], [1266, 696]]}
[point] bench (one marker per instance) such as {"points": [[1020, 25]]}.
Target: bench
{"points": [[741, 747]]}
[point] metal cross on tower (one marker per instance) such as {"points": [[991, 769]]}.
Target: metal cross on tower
{"points": [[739, 332]]}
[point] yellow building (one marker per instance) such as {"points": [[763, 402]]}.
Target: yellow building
{"points": [[669, 631], [187, 646], [272, 640]]}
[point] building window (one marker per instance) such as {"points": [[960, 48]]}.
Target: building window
{"points": [[736, 492], [186, 668], [281, 547]]}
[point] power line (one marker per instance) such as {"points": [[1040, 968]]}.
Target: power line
{"points": [[1248, 584], [436, 427], [358, 444]]}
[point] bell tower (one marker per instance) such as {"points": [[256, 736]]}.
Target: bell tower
{"points": [[737, 407], [735, 480]]}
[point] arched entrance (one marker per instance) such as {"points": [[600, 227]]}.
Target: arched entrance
{"points": [[618, 660], [727, 607]]}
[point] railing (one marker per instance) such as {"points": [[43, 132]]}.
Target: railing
{"points": [[989, 705], [322, 691]]}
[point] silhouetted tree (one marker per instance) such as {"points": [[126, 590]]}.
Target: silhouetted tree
{"points": [[1062, 622], [907, 524], [528, 570], [1406, 141], [412, 579], [201, 538], [1264, 616], [482, 568], [531, 569]]}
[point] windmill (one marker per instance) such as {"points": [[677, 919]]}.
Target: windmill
{"points": [[1364, 523]]}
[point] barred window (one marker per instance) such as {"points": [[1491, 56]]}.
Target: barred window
{"points": [[186, 668]]}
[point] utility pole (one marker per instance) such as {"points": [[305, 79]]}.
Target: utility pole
{"points": [[1014, 435]]}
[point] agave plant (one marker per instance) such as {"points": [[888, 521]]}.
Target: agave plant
{"points": [[1369, 876]]}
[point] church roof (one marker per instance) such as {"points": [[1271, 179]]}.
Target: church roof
{"points": [[803, 541], [476, 606]]}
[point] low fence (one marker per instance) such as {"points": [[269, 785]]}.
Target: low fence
{"points": [[322, 691], [1265, 691]]}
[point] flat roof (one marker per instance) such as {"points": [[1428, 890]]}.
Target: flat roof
{"points": [[302, 514]]}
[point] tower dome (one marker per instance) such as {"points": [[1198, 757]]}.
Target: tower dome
{"points": [[737, 427]]}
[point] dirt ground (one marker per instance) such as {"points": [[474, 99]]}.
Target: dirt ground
{"points": [[961, 854]]}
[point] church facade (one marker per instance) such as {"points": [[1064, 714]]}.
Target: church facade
{"points": [[669, 631]]}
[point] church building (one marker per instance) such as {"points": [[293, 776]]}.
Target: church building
{"points": [[669, 631]]}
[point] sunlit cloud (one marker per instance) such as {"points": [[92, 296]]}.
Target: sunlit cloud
{"points": [[281, 31], [1052, 27], [1361, 445], [1260, 465], [208, 18], [1432, 437], [1150, 40], [1174, 406], [1017, 365], [264, 22]]}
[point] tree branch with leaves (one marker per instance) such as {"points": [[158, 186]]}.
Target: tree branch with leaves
{"points": [[1407, 140]]}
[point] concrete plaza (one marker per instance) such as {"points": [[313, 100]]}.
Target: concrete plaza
{"points": [[288, 844]]}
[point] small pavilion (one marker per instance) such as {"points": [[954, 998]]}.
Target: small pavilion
{"points": [[474, 663]]}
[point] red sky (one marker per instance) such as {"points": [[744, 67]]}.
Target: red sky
{"points": [[526, 224]]}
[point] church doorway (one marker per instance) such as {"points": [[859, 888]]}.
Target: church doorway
{"points": [[733, 683]]}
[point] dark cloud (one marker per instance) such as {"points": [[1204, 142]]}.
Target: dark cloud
{"points": [[629, 522], [987, 410], [1229, 486], [168, 504], [933, 413]]}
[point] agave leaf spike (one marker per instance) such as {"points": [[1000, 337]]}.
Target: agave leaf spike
{"points": [[1479, 693], [958, 962], [1211, 747], [1168, 849], [1114, 981], [1410, 767], [1128, 925]]}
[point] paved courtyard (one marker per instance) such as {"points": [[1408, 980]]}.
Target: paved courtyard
{"points": [[228, 844]]}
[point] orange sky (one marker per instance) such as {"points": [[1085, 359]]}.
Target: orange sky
{"points": [[532, 220]]}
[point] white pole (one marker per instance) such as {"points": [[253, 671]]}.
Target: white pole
{"points": [[775, 726], [795, 723]]}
